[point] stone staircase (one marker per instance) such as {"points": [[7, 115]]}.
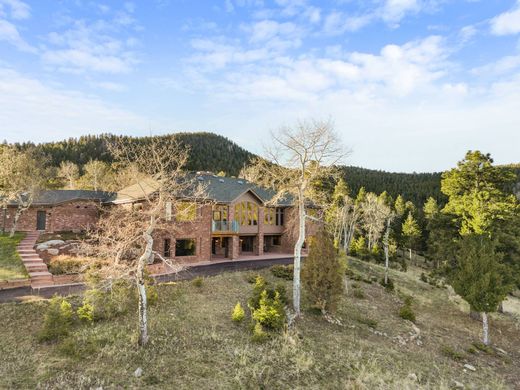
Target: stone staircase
{"points": [[36, 268]]}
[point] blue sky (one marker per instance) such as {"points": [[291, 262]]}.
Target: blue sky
{"points": [[409, 84]]}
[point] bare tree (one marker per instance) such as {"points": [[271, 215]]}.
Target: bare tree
{"points": [[375, 213], [298, 157], [21, 178], [70, 172], [125, 233], [343, 220], [95, 172], [386, 243]]}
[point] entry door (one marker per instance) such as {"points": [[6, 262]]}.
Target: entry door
{"points": [[41, 220]]}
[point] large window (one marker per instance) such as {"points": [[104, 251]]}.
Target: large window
{"points": [[279, 216], [185, 247], [246, 213], [186, 211], [220, 213], [269, 216]]}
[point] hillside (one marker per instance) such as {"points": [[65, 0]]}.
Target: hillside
{"points": [[213, 152], [194, 344]]}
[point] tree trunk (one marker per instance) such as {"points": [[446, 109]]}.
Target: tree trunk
{"points": [[485, 329], [297, 256], [143, 320], [387, 237], [17, 215], [410, 255]]}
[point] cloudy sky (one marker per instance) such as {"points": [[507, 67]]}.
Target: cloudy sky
{"points": [[409, 84]]}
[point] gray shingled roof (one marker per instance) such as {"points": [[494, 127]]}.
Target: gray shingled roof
{"points": [[54, 197], [218, 189]]}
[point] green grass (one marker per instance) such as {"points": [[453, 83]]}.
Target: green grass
{"points": [[11, 266], [195, 345]]}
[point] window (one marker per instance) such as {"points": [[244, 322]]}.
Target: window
{"points": [[246, 213], [168, 211], [269, 216], [279, 216], [277, 240], [247, 244], [220, 213], [186, 211], [167, 247], [185, 247]]}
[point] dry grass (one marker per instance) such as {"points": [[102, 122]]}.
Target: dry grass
{"points": [[194, 344]]}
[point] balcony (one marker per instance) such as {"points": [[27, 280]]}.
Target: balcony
{"points": [[225, 226]]}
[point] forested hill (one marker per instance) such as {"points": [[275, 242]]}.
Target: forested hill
{"points": [[416, 187], [208, 151], [213, 152]]}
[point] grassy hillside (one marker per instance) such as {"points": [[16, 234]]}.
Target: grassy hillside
{"points": [[11, 266], [194, 344]]}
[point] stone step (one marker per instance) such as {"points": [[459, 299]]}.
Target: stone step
{"points": [[25, 251], [33, 261], [40, 274], [42, 284], [36, 268]]}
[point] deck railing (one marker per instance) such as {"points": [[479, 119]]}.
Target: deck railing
{"points": [[225, 226]]}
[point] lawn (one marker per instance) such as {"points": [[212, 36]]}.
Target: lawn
{"points": [[194, 344], [11, 266]]}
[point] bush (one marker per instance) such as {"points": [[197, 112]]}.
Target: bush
{"points": [[270, 312], [259, 286], [322, 274], [115, 301], [61, 265], [259, 334], [452, 353], [358, 293], [251, 278], [86, 312], [424, 278], [198, 281], [152, 296], [57, 320], [407, 313], [238, 313], [283, 271]]}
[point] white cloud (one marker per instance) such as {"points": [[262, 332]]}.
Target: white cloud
{"points": [[395, 10], [18, 9], [9, 33], [31, 110], [499, 67], [507, 23], [89, 47]]}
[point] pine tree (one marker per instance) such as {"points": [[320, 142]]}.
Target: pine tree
{"points": [[479, 277], [411, 231], [321, 274]]}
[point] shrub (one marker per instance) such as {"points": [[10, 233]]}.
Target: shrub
{"points": [[358, 293], [61, 265], [424, 278], [238, 313], [283, 271], [452, 353], [322, 273], [251, 278], [407, 313], [57, 320], [270, 312], [115, 301], [482, 347], [198, 281], [86, 312], [259, 334]]}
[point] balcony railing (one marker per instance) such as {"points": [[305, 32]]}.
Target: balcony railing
{"points": [[225, 226]]}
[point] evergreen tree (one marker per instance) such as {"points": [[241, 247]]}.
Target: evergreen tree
{"points": [[478, 276], [321, 275], [411, 231]]}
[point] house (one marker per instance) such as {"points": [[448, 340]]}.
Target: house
{"points": [[234, 220], [57, 210]]}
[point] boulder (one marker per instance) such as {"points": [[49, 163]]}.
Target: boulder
{"points": [[138, 372], [470, 367], [47, 244], [53, 251]]}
